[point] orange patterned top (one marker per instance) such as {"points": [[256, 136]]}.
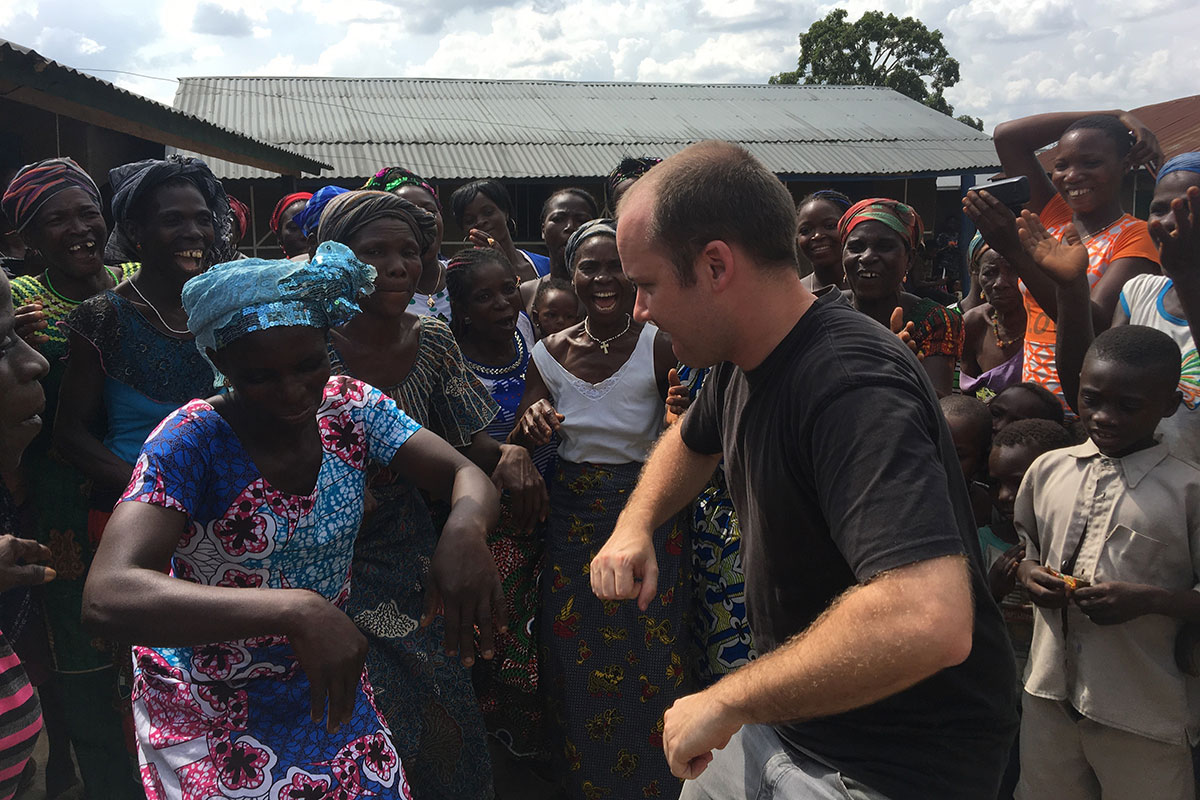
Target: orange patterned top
{"points": [[1128, 237]]}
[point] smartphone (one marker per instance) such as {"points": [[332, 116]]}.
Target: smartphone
{"points": [[1012, 192]]}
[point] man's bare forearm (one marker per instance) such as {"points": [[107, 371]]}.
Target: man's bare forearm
{"points": [[672, 477], [876, 640]]}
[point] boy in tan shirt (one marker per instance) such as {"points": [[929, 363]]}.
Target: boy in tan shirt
{"points": [[1112, 535]]}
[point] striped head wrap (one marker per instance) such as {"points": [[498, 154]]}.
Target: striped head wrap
{"points": [[1184, 162], [282, 205], [235, 298], [36, 183], [898, 216], [348, 213], [594, 227], [389, 179], [976, 248]]}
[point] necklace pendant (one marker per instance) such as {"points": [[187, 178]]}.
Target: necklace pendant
{"points": [[604, 347]]}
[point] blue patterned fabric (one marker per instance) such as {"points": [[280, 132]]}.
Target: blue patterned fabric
{"points": [[720, 631], [241, 707]]}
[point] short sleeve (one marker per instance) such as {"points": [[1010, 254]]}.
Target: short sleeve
{"points": [[886, 496], [1056, 212], [386, 427], [939, 332], [1134, 242], [171, 470], [701, 424], [461, 406]]}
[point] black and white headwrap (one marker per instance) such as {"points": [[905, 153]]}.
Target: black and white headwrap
{"points": [[596, 227], [133, 183]]}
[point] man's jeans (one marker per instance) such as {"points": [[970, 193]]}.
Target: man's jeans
{"points": [[756, 765]]}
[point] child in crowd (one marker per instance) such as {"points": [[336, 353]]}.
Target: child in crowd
{"points": [[1027, 400], [1111, 529], [555, 307], [971, 430], [1014, 449]]}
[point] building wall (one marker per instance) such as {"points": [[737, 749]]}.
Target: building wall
{"points": [[31, 134]]}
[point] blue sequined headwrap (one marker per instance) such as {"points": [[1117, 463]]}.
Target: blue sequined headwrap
{"points": [[233, 299], [1184, 162]]}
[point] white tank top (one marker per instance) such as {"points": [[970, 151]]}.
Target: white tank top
{"points": [[1142, 298], [612, 422]]}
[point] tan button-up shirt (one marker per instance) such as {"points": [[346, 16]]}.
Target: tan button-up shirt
{"points": [[1134, 519]]}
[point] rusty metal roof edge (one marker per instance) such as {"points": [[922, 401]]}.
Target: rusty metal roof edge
{"points": [[161, 116]]}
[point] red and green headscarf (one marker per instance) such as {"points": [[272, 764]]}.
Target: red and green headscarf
{"points": [[898, 216]]}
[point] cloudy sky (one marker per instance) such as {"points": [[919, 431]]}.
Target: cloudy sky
{"points": [[1018, 57]]}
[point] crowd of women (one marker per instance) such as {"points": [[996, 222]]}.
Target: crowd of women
{"points": [[411, 460]]}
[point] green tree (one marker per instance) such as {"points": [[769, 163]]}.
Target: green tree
{"points": [[878, 50]]}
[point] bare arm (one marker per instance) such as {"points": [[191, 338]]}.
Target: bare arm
{"points": [[1018, 141], [129, 597], [672, 477], [940, 370], [463, 578], [537, 419], [664, 362], [877, 639], [81, 410]]}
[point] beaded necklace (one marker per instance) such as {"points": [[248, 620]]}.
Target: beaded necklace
{"points": [[53, 291], [499, 372], [1001, 342]]}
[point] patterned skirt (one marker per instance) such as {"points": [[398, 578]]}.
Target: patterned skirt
{"points": [[254, 738], [609, 670], [720, 632], [507, 685], [426, 698]]}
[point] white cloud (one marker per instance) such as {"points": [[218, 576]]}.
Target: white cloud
{"points": [[1016, 57]]}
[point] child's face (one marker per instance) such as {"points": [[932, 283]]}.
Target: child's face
{"points": [[966, 446], [1013, 404], [1006, 467], [1121, 405], [556, 311]]}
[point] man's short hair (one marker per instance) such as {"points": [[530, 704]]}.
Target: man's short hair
{"points": [[718, 191], [1140, 348]]}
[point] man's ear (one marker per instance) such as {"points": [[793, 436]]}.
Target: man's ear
{"points": [[716, 264]]}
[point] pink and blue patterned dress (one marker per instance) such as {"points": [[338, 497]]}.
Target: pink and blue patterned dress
{"points": [[231, 719]]}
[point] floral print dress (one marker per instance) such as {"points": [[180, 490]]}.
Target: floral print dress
{"points": [[231, 719]]}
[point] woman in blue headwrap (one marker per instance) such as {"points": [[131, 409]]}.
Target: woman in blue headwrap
{"points": [[993, 332], [228, 557], [1169, 302], [308, 218]]}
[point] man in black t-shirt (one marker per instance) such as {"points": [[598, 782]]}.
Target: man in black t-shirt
{"points": [[886, 671]]}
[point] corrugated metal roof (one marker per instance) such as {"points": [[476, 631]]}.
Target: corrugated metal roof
{"points": [[456, 129], [40, 81]]}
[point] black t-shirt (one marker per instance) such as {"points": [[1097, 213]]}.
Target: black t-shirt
{"points": [[841, 466]]}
